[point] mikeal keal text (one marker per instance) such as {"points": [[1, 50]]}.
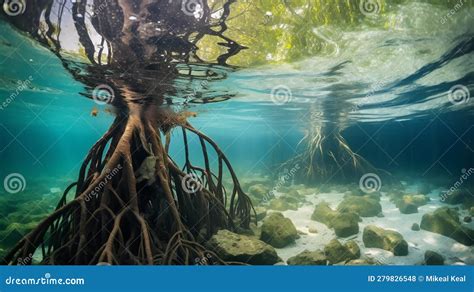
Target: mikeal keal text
{"points": [[447, 278]]}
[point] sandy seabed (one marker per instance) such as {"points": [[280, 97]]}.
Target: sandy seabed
{"points": [[454, 252]]}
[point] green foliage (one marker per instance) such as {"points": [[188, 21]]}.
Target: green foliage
{"points": [[277, 31], [282, 31]]}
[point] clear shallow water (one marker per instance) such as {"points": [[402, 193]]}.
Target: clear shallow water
{"points": [[386, 89]]}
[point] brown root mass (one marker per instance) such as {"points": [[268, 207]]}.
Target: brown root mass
{"points": [[116, 218]]}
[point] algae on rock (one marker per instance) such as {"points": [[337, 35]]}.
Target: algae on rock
{"points": [[445, 221], [378, 237], [234, 247], [337, 252], [309, 258], [278, 231], [344, 224], [365, 206], [323, 213]]}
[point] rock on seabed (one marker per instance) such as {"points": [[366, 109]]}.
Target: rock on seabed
{"points": [[306, 258], [378, 237], [278, 231], [445, 221], [231, 246], [365, 206]]}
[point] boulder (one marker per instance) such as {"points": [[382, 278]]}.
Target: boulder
{"points": [[278, 204], [336, 252], [417, 199], [346, 224], [415, 227], [433, 258], [364, 206], [454, 197], [406, 207], [467, 219], [377, 237], [314, 258], [445, 221], [278, 231], [230, 246], [353, 248], [324, 214], [259, 192], [408, 204]]}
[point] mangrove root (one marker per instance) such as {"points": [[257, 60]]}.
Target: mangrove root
{"points": [[133, 203]]}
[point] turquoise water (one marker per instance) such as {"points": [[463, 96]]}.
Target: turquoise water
{"points": [[389, 92]]}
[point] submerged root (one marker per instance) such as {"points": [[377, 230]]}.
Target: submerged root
{"points": [[328, 158], [132, 204]]}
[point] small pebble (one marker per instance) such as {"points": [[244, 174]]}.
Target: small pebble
{"points": [[415, 227], [312, 230]]}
